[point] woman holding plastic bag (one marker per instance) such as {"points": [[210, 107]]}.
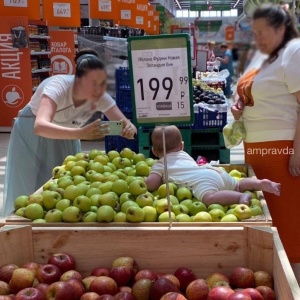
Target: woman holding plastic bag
{"points": [[269, 104]]}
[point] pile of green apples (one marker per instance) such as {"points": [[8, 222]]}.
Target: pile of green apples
{"points": [[110, 187]]}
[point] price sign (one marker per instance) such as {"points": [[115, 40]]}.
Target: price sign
{"points": [[62, 10], [104, 5], [16, 3], [126, 14], [139, 20], [161, 79]]}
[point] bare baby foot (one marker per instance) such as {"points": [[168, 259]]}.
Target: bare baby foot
{"points": [[270, 186]]}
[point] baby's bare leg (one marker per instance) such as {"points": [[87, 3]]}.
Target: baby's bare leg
{"points": [[255, 184]]}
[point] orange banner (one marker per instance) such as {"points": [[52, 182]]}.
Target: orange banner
{"points": [[62, 12], [104, 9], [62, 52], [229, 34], [15, 71], [127, 16], [141, 18], [21, 8]]}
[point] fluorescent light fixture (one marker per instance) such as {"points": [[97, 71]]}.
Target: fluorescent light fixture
{"points": [[236, 3], [177, 2]]}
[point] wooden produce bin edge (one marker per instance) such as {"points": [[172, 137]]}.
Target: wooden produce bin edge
{"points": [[204, 250]]}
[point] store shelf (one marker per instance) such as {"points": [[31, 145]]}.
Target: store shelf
{"points": [[41, 70], [38, 36], [40, 53]]}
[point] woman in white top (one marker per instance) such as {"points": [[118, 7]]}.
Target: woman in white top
{"points": [[269, 101], [51, 125]]}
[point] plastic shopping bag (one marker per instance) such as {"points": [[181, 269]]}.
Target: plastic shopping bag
{"points": [[234, 133]]}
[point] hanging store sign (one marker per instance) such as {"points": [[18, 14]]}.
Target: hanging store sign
{"points": [[21, 8]]}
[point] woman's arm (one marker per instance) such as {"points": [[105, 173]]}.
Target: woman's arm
{"points": [[44, 127], [224, 60], [237, 107], [294, 163], [115, 114]]}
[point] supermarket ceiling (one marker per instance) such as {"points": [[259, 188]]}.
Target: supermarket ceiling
{"points": [[209, 5]]}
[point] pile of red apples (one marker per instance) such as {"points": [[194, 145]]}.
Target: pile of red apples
{"points": [[58, 279]]}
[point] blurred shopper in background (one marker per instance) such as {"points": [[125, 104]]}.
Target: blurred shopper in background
{"points": [[268, 98], [210, 51]]}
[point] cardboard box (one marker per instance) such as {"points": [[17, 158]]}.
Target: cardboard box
{"points": [[203, 250], [261, 220]]}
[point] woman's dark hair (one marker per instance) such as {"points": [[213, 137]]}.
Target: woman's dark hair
{"points": [[87, 60], [276, 16]]}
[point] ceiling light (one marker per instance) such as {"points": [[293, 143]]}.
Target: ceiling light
{"points": [[236, 3], [177, 2]]}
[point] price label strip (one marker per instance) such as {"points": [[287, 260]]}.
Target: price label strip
{"points": [[161, 79]]}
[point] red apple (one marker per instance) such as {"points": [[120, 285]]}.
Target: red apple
{"points": [[100, 271], [87, 281], [241, 277], [263, 278], [33, 266], [4, 288], [145, 273], [173, 278], [48, 273], [21, 278], [220, 293], [106, 297], [30, 293], [124, 296], [128, 262], [63, 261], [90, 296], [71, 274], [42, 287], [239, 296], [121, 275], [103, 285], [160, 287], [125, 288], [216, 277], [185, 277], [60, 290], [266, 292], [198, 289], [77, 286], [254, 294], [173, 296], [7, 297], [6, 272]]}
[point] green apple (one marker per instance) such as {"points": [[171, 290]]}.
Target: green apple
{"points": [[105, 213], [94, 152], [135, 214], [120, 217], [150, 161], [126, 153], [178, 209], [128, 204], [235, 173], [119, 187], [183, 218], [125, 197], [202, 216], [112, 166], [83, 202], [90, 216], [162, 205], [183, 193], [227, 130], [63, 182], [144, 200], [92, 191], [162, 190], [78, 179], [242, 211], [50, 198], [94, 208], [82, 163], [82, 156], [120, 173], [72, 214], [121, 163], [105, 187], [132, 172], [35, 198], [21, 201], [150, 214], [63, 204], [130, 178], [255, 202], [102, 158], [88, 175], [187, 203], [57, 171], [97, 166], [229, 218], [70, 165], [253, 193], [78, 170], [20, 211], [39, 221], [95, 184], [109, 198], [142, 169], [138, 157], [164, 217], [69, 158], [196, 207], [111, 177], [85, 185], [53, 215], [112, 154], [127, 170], [173, 199], [216, 214], [218, 206], [34, 211], [48, 184], [229, 211], [73, 191], [137, 187], [256, 210]]}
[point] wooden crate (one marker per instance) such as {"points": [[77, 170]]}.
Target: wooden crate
{"points": [[262, 220], [204, 250]]}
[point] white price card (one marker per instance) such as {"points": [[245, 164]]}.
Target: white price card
{"points": [[62, 10], [104, 5], [161, 79], [16, 3], [125, 14], [139, 20]]}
